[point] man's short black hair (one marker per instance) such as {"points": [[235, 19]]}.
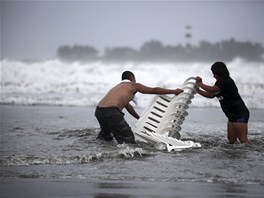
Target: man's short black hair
{"points": [[127, 75]]}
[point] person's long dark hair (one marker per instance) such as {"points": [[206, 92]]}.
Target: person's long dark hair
{"points": [[220, 69]]}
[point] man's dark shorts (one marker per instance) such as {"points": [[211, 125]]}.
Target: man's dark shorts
{"points": [[112, 123]]}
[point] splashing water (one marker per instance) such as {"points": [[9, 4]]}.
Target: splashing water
{"points": [[57, 83]]}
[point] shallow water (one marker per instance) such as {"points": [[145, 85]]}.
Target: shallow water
{"points": [[58, 143]]}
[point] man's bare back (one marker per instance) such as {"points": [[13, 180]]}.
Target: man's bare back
{"points": [[120, 95]]}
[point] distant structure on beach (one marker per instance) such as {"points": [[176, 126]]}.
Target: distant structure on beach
{"points": [[155, 51], [188, 36]]}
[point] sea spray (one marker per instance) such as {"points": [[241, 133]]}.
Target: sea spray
{"points": [[53, 82], [129, 152], [27, 160]]}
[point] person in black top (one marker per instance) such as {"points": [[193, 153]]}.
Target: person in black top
{"points": [[231, 102]]}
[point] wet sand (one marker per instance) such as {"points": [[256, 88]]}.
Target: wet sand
{"points": [[123, 189]]}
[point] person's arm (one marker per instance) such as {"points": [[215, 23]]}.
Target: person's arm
{"points": [[156, 90], [205, 93], [209, 91], [207, 88], [132, 111]]}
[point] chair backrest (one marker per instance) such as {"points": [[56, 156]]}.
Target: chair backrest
{"points": [[165, 114]]}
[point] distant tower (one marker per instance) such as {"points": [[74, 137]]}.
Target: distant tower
{"points": [[188, 35]]}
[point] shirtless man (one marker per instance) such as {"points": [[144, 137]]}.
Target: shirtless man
{"points": [[109, 110]]}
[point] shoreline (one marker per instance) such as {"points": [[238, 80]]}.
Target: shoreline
{"points": [[91, 109]]}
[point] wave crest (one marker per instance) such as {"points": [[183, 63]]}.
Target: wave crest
{"points": [[54, 82]]}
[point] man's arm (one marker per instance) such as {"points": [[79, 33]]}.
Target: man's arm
{"points": [[132, 111], [156, 90]]}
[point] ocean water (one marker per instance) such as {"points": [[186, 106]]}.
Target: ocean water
{"points": [[54, 82], [43, 144], [48, 135]]}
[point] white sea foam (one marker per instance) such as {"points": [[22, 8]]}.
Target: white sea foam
{"points": [[57, 83]]}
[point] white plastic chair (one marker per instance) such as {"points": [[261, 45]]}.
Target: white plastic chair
{"points": [[160, 122]]}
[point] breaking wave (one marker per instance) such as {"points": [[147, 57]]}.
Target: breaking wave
{"points": [[53, 82]]}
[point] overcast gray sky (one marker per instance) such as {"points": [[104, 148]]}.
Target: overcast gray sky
{"points": [[35, 29]]}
